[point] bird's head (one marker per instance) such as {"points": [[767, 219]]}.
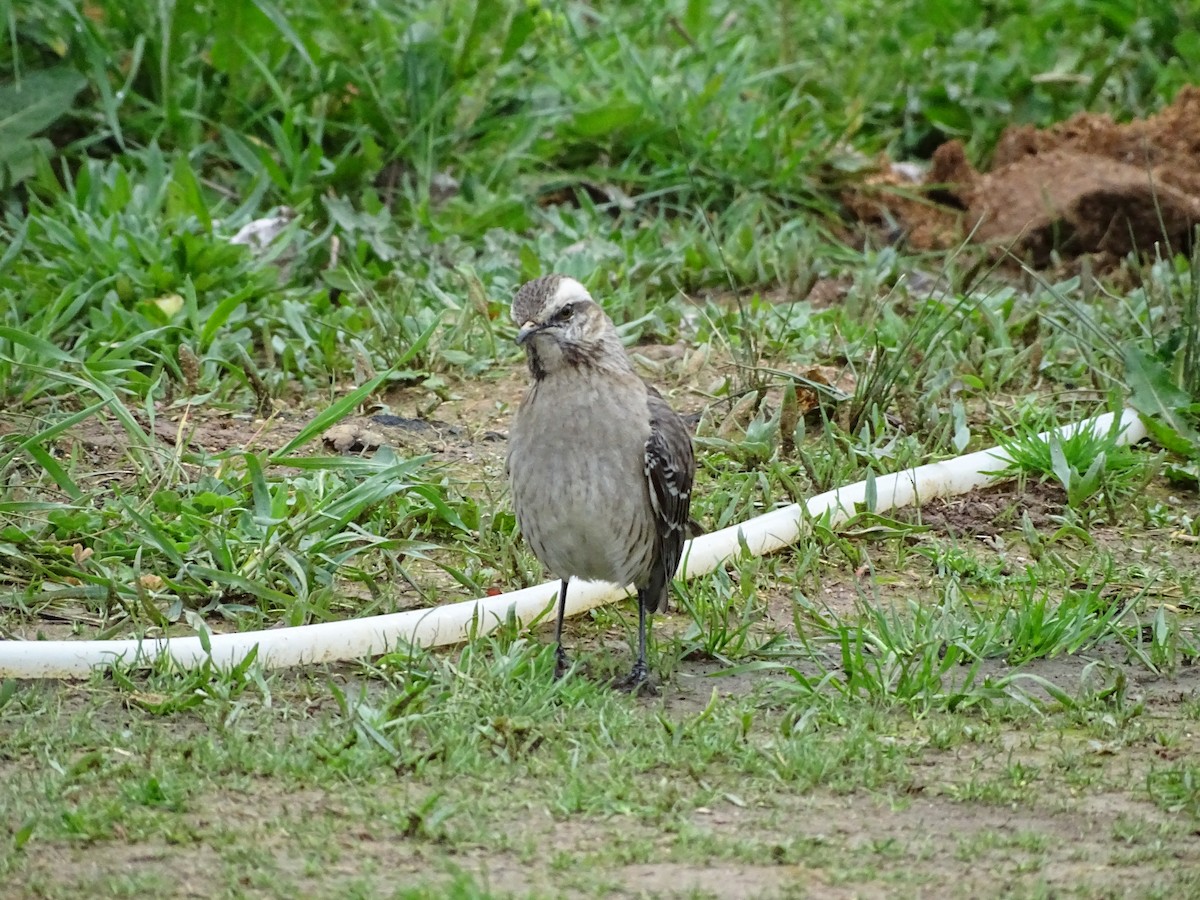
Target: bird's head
{"points": [[560, 325]]}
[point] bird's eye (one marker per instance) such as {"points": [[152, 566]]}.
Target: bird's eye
{"points": [[564, 314]]}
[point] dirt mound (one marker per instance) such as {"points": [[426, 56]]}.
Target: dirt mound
{"points": [[1086, 185]]}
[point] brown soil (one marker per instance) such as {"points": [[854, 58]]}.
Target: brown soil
{"points": [[1088, 185]]}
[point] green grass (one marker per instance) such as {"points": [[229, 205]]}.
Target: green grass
{"points": [[993, 695]]}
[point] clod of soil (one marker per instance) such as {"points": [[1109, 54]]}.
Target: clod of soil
{"points": [[1086, 185]]}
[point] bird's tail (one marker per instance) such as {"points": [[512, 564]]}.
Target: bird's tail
{"points": [[655, 601], [653, 597]]}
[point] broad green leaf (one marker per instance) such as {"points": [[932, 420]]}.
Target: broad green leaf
{"points": [[184, 196], [1156, 395], [1058, 462], [1167, 437], [36, 102], [220, 315], [601, 121], [43, 348], [19, 160]]}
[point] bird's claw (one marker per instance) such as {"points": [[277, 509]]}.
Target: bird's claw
{"points": [[561, 663], [637, 682]]}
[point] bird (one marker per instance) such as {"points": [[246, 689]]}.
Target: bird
{"points": [[600, 466]]}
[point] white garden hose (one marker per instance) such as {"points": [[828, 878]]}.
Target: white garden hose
{"points": [[451, 624]]}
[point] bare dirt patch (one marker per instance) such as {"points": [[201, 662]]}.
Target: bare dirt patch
{"points": [[992, 511], [1088, 185]]}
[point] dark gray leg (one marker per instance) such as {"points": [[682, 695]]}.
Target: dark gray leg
{"points": [[638, 681], [560, 662]]}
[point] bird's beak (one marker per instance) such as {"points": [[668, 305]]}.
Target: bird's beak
{"points": [[526, 331]]}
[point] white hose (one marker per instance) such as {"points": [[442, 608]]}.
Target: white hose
{"points": [[358, 638]]}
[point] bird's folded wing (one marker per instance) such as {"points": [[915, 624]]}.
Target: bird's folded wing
{"points": [[670, 467]]}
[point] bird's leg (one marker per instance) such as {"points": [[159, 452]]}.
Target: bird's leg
{"points": [[560, 658], [638, 681]]}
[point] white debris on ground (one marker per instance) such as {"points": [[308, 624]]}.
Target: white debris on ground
{"points": [[257, 235]]}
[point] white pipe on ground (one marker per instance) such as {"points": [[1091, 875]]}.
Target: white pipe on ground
{"points": [[451, 624]]}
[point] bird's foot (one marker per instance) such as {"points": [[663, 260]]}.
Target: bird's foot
{"points": [[561, 663], [637, 682]]}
